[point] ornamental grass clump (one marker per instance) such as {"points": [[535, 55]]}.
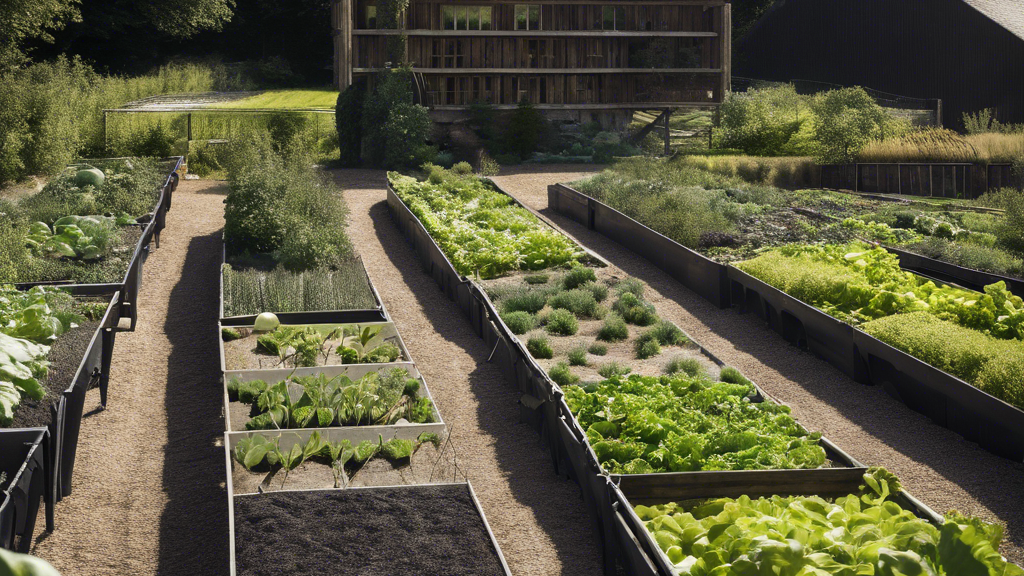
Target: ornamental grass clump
{"points": [[614, 329], [578, 276], [579, 301], [519, 322], [540, 347], [562, 375], [562, 323]]}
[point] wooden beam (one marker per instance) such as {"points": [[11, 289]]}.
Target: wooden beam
{"points": [[538, 33], [726, 40], [533, 71], [639, 136]]}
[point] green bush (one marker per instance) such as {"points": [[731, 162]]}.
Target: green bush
{"points": [[847, 120], [394, 129], [347, 116], [539, 347], [598, 349], [970, 255], [613, 330], [647, 346], [612, 369], [578, 356], [761, 122], [632, 286], [578, 276], [524, 301], [579, 302], [991, 364], [732, 376], [634, 310], [600, 291], [536, 279], [519, 322], [562, 375], [1010, 230], [668, 334], [524, 131], [562, 322], [692, 367]]}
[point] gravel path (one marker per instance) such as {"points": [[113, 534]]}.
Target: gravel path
{"points": [[149, 493], [538, 518], [936, 465]]}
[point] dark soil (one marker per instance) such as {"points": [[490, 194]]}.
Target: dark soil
{"points": [[65, 358], [385, 531]]}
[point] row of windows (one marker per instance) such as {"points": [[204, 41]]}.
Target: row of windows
{"points": [[527, 17]]}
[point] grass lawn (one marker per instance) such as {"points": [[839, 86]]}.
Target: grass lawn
{"points": [[282, 99]]}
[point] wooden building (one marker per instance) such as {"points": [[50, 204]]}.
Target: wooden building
{"points": [[968, 53], [577, 59]]}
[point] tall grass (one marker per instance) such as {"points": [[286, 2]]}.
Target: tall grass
{"points": [[51, 113], [781, 172], [254, 291], [941, 145]]}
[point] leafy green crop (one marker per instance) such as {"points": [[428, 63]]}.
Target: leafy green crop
{"points": [[481, 230], [858, 534], [318, 401], [677, 423]]}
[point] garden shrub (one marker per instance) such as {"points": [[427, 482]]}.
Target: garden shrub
{"points": [[847, 120], [600, 291], [523, 300], [536, 279], [348, 119], [580, 302], [562, 375], [647, 346], [1010, 230], [578, 276], [539, 347], [613, 330], [524, 130], [692, 367], [761, 122], [394, 129], [668, 334], [634, 310], [578, 356], [445, 159], [519, 322], [612, 369], [732, 376], [598, 349], [562, 322]]}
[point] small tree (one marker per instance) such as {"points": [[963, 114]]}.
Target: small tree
{"points": [[847, 119], [347, 115], [762, 121], [525, 129], [395, 129]]}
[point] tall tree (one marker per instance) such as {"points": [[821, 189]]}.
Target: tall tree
{"points": [[25, 20]]}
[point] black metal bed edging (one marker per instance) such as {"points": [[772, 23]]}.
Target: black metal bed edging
{"points": [[129, 286], [947, 400], [543, 403], [692, 269], [28, 466]]}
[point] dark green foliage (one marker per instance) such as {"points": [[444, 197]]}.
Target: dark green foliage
{"points": [[1010, 230], [598, 349], [613, 330], [519, 322], [612, 369], [422, 412], [384, 353], [578, 276], [562, 323], [634, 310], [689, 366], [562, 375], [394, 129], [732, 376], [524, 131], [668, 334], [539, 347], [412, 386], [536, 279], [578, 356], [600, 291], [229, 334], [647, 346], [579, 301], [524, 301], [396, 449]]}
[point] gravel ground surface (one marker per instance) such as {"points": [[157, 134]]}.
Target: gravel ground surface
{"points": [[149, 494], [936, 465], [425, 530], [538, 518]]}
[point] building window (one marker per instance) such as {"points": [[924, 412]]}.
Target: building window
{"points": [[613, 18], [371, 16], [527, 16], [466, 17]]}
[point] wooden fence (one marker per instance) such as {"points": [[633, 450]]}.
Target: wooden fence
{"points": [[919, 179]]}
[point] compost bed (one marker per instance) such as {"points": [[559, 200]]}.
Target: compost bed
{"points": [[380, 531]]}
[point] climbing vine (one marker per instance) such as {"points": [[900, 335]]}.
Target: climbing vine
{"points": [[389, 17]]}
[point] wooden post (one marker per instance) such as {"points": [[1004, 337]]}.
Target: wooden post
{"points": [[726, 42], [104, 129], [668, 133], [189, 127], [341, 16]]}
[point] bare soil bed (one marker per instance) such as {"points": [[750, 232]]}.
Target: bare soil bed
{"points": [[425, 530], [935, 464], [65, 358], [243, 353]]}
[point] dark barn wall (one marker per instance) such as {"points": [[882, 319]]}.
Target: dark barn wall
{"points": [[920, 48]]}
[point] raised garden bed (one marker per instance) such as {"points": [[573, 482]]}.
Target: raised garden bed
{"points": [[437, 529], [948, 401], [120, 269], [310, 345], [251, 287], [639, 509], [26, 477], [79, 360]]}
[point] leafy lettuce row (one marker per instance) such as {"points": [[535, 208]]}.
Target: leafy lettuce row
{"points": [[29, 322], [859, 283], [481, 230], [858, 534], [644, 424]]}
